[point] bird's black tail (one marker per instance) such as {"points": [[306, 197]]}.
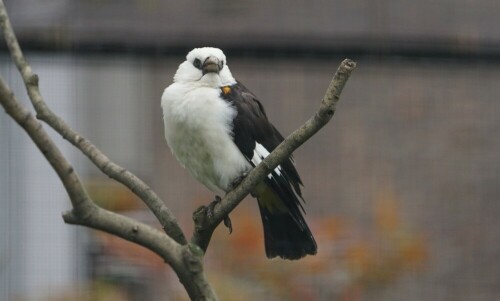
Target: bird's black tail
{"points": [[285, 235]]}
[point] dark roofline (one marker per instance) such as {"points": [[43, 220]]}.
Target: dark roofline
{"points": [[355, 48]]}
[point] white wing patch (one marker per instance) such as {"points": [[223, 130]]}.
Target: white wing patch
{"points": [[259, 153]]}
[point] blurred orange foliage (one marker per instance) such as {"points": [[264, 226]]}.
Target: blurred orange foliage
{"points": [[351, 258]]}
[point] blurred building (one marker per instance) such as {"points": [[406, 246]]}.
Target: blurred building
{"points": [[402, 185]]}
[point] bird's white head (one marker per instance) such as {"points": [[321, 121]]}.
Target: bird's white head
{"points": [[205, 66]]}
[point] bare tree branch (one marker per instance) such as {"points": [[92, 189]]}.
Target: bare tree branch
{"points": [[111, 169], [79, 197], [185, 258], [205, 225], [84, 211]]}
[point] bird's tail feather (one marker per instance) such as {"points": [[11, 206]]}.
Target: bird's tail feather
{"points": [[285, 236]]}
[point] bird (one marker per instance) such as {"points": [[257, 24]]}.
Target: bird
{"points": [[218, 130]]}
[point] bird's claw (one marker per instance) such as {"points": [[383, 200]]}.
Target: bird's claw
{"points": [[210, 213], [228, 224], [211, 206], [238, 180]]}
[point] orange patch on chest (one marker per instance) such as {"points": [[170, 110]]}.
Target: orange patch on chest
{"points": [[226, 90]]}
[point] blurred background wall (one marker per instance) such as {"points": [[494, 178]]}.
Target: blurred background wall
{"points": [[402, 187]]}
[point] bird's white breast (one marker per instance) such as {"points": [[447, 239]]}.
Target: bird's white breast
{"points": [[198, 129]]}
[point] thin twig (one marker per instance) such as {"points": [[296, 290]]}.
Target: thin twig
{"points": [[96, 156], [84, 211], [184, 259], [77, 193], [205, 225]]}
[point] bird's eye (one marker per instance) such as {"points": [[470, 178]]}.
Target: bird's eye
{"points": [[197, 63]]}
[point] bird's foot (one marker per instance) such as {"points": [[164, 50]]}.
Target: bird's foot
{"points": [[210, 213], [211, 206], [238, 180], [228, 224]]}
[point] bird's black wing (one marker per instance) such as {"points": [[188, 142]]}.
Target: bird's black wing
{"points": [[251, 126], [286, 233]]}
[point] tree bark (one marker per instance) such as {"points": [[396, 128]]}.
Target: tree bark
{"points": [[186, 258]]}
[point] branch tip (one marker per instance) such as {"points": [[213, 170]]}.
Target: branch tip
{"points": [[204, 225], [349, 63], [68, 217]]}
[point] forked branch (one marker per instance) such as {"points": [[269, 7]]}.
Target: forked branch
{"points": [[185, 258], [206, 224], [96, 156]]}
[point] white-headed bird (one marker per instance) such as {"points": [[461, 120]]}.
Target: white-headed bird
{"points": [[218, 130]]}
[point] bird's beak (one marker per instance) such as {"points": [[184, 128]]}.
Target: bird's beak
{"points": [[211, 64]]}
